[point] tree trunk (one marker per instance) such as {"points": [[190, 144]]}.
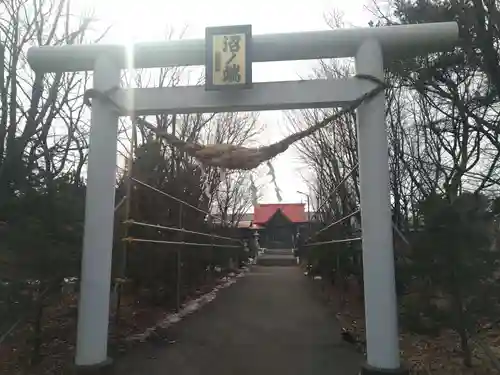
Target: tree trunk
{"points": [[461, 324]]}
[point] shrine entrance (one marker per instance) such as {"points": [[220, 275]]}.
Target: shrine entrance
{"points": [[228, 54]]}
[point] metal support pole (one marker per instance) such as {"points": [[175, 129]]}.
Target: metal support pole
{"points": [[179, 262], [212, 249], [93, 312], [308, 210], [2, 70], [378, 254], [126, 217]]}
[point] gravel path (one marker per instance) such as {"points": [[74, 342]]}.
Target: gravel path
{"points": [[269, 322]]}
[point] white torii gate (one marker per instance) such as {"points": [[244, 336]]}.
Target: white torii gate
{"points": [[370, 46]]}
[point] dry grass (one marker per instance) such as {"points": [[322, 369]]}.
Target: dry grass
{"points": [[59, 335], [422, 354]]}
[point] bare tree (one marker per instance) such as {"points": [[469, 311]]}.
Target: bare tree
{"points": [[234, 196], [331, 153], [42, 122]]}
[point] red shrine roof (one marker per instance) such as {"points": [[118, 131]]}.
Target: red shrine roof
{"points": [[295, 212]]}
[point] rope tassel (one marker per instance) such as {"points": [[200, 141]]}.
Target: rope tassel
{"points": [[273, 180]]}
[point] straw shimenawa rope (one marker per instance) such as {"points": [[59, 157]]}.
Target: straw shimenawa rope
{"points": [[234, 157]]}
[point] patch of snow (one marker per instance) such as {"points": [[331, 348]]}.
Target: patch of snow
{"points": [[189, 307], [169, 320]]}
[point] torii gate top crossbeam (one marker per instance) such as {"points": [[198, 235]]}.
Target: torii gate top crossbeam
{"points": [[396, 41]]}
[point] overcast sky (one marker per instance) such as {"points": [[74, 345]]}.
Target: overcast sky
{"points": [[147, 20]]}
